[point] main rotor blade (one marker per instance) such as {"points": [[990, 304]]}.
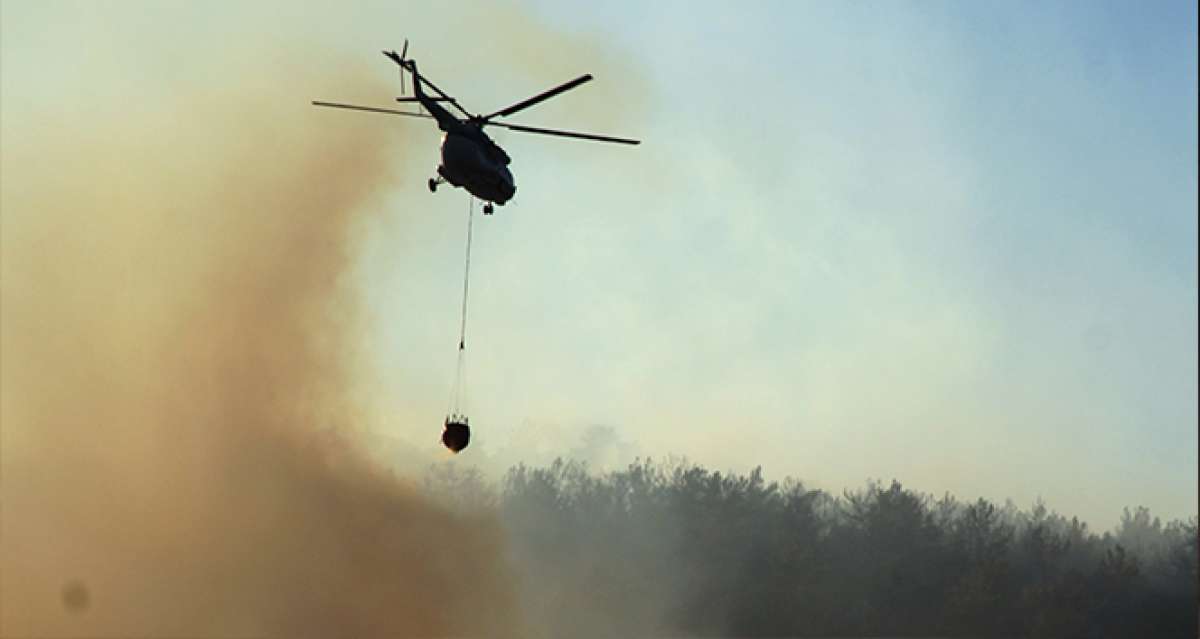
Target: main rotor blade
{"points": [[355, 107], [565, 134], [545, 95]]}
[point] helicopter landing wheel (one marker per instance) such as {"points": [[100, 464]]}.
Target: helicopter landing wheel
{"points": [[432, 185], [488, 209]]}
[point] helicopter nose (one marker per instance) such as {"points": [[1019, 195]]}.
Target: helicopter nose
{"points": [[509, 186]]}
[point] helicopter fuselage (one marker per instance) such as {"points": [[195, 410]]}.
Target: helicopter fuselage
{"points": [[471, 160]]}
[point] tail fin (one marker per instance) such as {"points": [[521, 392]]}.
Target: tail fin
{"points": [[401, 58]]}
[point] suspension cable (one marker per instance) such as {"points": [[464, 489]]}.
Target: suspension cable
{"points": [[458, 393], [462, 330]]}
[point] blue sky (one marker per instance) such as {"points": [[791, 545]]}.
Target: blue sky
{"points": [[950, 243]]}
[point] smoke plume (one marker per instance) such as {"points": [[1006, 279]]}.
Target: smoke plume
{"points": [[178, 362]]}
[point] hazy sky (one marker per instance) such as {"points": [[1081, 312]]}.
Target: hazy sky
{"points": [[951, 243]]}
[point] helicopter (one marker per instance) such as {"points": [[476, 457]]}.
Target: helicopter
{"points": [[470, 159]]}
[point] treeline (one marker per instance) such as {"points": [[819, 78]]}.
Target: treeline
{"points": [[678, 549]]}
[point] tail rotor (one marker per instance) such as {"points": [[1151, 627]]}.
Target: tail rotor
{"points": [[403, 59]]}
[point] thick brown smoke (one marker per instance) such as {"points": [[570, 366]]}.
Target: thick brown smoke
{"points": [[178, 359]]}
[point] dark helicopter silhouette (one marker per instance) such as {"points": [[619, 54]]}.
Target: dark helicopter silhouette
{"points": [[470, 159]]}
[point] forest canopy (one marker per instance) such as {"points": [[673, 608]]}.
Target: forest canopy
{"points": [[677, 548]]}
